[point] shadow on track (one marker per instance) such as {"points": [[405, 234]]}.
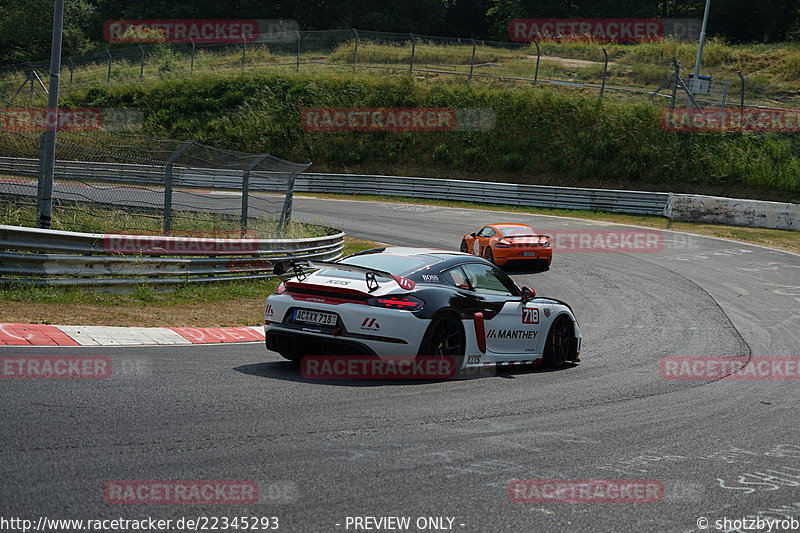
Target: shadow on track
{"points": [[288, 371]]}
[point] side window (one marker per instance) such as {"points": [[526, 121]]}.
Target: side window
{"points": [[486, 232], [485, 279], [457, 277]]}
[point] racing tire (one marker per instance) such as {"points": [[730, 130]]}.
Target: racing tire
{"points": [[488, 255], [464, 248], [444, 337], [559, 343], [293, 357]]}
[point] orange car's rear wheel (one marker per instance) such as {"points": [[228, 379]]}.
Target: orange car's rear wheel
{"points": [[464, 248], [488, 255]]}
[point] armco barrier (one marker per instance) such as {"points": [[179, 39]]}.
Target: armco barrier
{"points": [[686, 207], [635, 202], [121, 262]]}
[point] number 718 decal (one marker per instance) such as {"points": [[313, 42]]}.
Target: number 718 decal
{"points": [[530, 315]]}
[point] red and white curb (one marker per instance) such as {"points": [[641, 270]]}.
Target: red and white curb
{"points": [[44, 335]]}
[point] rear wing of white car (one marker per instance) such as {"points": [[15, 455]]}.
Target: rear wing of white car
{"points": [[370, 274]]}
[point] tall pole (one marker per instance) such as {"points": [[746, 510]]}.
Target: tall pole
{"points": [[701, 42], [44, 204]]}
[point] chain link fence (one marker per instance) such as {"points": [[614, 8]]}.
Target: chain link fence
{"points": [[141, 184], [582, 65]]}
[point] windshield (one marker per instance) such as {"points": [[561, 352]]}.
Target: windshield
{"points": [[516, 231], [399, 265]]}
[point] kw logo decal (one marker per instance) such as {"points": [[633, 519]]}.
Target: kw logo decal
{"points": [[370, 323], [268, 310], [530, 315], [511, 334]]}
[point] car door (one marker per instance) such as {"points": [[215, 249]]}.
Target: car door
{"points": [[516, 327], [482, 240]]}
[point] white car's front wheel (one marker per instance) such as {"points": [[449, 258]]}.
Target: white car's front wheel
{"points": [[558, 343]]}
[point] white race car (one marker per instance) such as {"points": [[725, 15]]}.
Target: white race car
{"points": [[416, 301]]}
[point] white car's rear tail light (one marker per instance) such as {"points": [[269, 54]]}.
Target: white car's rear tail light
{"points": [[408, 303]]}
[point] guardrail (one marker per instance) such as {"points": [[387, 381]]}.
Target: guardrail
{"points": [[121, 262], [618, 201]]}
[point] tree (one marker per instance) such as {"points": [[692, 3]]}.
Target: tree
{"points": [[26, 29]]}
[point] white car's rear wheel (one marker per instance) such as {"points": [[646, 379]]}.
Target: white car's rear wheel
{"points": [[444, 337]]}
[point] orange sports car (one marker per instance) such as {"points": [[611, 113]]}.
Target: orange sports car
{"points": [[503, 243]]}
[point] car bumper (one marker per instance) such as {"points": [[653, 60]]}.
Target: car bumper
{"points": [[360, 330], [505, 255]]}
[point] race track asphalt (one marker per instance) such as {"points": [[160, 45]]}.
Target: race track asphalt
{"points": [[323, 452]]}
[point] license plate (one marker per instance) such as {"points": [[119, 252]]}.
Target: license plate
{"points": [[315, 317], [528, 254]]}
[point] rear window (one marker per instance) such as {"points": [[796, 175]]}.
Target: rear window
{"points": [[516, 231], [399, 265]]}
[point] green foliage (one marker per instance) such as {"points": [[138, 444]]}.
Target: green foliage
{"points": [[537, 131]]}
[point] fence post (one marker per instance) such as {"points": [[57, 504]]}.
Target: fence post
{"points": [[286, 212], [605, 72], [191, 64], [168, 184], [538, 58], [741, 103], [355, 49], [108, 72], [71, 69], [724, 93], [472, 61], [299, 37], [44, 198], [244, 51], [141, 62], [413, 53], [246, 188], [676, 79]]}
